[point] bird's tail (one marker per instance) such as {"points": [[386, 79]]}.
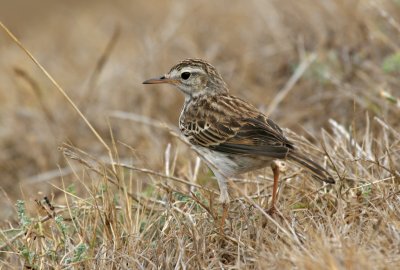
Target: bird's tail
{"points": [[317, 171]]}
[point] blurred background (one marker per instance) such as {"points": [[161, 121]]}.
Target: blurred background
{"points": [[101, 51]]}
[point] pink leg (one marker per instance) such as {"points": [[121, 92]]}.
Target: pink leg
{"points": [[225, 207], [275, 170]]}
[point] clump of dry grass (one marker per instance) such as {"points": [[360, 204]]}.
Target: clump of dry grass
{"points": [[144, 200], [166, 226]]}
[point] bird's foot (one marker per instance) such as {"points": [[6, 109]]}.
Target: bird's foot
{"points": [[271, 211]]}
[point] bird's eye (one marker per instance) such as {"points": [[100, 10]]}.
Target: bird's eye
{"points": [[185, 75]]}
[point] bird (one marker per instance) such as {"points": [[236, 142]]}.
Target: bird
{"points": [[232, 136]]}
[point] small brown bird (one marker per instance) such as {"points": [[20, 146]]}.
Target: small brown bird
{"points": [[232, 136]]}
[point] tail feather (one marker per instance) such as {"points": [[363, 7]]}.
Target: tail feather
{"points": [[318, 171]]}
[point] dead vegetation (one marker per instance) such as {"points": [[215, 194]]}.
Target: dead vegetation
{"points": [[136, 197]]}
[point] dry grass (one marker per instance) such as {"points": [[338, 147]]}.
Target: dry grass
{"points": [[152, 204]]}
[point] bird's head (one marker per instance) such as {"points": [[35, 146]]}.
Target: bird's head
{"points": [[193, 77]]}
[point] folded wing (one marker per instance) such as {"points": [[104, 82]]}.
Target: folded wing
{"points": [[233, 126]]}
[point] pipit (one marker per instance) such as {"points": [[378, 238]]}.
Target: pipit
{"points": [[232, 136]]}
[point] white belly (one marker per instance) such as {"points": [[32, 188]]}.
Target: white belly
{"points": [[231, 165]]}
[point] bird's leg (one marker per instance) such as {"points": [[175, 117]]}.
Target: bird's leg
{"points": [[225, 208], [223, 198], [275, 170]]}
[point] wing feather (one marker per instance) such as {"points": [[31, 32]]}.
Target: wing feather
{"points": [[229, 124]]}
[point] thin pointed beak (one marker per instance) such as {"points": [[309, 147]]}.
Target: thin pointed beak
{"points": [[158, 80]]}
